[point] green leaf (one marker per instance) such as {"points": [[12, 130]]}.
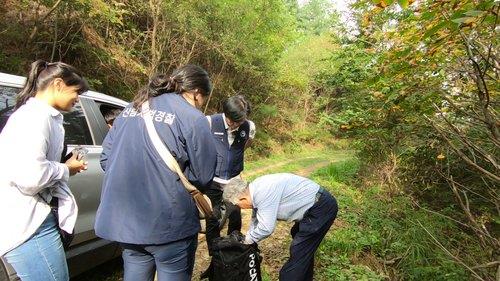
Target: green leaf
{"points": [[486, 5], [428, 15], [457, 14], [490, 19], [403, 3], [464, 20], [474, 13], [435, 29]]}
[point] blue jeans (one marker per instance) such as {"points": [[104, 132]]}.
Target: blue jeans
{"points": [[42, 256], [173, 261]]}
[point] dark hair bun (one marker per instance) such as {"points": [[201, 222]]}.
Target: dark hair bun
{"points": [[159, 84]]}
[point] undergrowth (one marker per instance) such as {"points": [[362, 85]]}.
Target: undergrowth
{"points": [[380, 237]]}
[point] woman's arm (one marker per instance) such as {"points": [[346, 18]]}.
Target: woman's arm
{"points": [[251, 134], [202, 154], [30, 170]]}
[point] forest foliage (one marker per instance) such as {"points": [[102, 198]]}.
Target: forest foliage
{"points": [[417, 87], [413, 84]]}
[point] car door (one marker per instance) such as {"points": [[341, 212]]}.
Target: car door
{"points": [[86, 186], [84, 122]]}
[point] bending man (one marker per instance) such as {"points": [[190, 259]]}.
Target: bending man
{"points": [[291, 198]]}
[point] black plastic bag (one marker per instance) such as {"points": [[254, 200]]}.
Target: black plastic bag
{"points": [[233, 260]]}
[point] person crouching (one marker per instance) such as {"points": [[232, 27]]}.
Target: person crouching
{"points": [[287, 197]]}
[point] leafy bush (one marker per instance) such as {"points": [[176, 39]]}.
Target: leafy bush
{"points": [[376, 236]]}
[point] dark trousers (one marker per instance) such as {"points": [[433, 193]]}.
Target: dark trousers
{"points": [[307, 234], [213, 224]]}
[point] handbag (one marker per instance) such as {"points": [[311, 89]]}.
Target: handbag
{"points": [[202, 201]]}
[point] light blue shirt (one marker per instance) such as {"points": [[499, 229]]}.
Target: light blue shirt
{"points": [[275, 197]]}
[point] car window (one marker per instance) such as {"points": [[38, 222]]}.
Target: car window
{"points": [[75, 125], [109, 111], [7, 103]]}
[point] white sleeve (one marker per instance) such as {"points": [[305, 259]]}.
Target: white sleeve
{"points": [[252, 129], [30, 171], [267, 206]]}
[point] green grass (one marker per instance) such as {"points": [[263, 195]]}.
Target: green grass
{"points": [[380, 237], [292, 163], [305, 151]]}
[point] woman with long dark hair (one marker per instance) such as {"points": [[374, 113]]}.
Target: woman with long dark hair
{"points": [[31, 144], [144, 205]]}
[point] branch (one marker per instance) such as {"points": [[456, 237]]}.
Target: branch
{"points": [[154, 53], [462, 155], [466, 141], [450, 254], [482, 87], [490, 264], [441, 215], [54, 43], [491, 44], [480, 231], [468, 189], [213, 85], [35, 28], [461, 110]]}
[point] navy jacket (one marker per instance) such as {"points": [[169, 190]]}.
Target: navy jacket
{"points": [[142, 200], [230, 158]]}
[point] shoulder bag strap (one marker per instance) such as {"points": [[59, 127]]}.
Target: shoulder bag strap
{"points": [[162, 149]]}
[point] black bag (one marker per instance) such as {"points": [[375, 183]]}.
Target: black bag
{"points": [[66, 238], [234, 260]]}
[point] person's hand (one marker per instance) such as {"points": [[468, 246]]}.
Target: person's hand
{"points": [[248, 241], [75, 165]]}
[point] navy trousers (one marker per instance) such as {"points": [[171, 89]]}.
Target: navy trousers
{"points": [[307, 234]]}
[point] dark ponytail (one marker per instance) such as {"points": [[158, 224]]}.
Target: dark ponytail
{"points": [[43, 73], [186, 78]]}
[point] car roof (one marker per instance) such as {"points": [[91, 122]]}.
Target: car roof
{"points": [[19, 81]]}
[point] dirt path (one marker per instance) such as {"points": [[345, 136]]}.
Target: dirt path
{"points": [[276, 165], [274, 249]]}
